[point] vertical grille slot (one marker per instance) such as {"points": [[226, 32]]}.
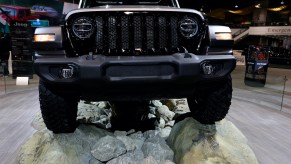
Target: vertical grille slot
{"points": [[137, 28], [99, 33], [162, 33], [150, 33], [174, 33], [125, 33], [112, 32]]}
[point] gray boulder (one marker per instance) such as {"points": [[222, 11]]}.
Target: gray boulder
{"points": [[157, 147], [103, 104], [170, 123], [219, 143], [152, 109], [107, 148], [138, 138], [45, 147], [162, 123], [150, 133], [170, 103], [129, 143], [165, 113], [120, 133], [37, 122], [156, 103], [160, 152], [164, 133], [102, 122], [129, 158], [137, 135], [88, 113]]}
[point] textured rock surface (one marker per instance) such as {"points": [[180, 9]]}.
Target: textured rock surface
{"points": [[45, 147], [108, 148], [129, 143], [94, 112], [157, 147], [89, 144], [166, 114], [157, 103], [37, 122], [193, 142]]}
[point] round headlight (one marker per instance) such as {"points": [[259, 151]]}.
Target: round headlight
{"points": [[188, 27], [83, 27]]}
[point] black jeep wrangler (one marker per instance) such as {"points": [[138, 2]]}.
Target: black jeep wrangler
{"points": [[133, 50]]}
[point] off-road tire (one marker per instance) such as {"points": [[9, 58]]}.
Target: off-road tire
{"points": [[59, 111], [211, 104]]}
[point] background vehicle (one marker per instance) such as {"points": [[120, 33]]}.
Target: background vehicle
{"points": [[44, 11], [280, 56], [47, 13], [133, 50], [16, 13]]}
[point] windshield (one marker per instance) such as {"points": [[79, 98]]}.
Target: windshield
{"points": [[10, 12], [95, 3]]}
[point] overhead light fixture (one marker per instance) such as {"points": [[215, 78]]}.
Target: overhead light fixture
{"points": [[282, 2], [236, 6], [258, 5], [278, 8], [201, 9]]}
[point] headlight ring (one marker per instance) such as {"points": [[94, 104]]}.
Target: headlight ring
{"points": [[83, 27], [188, 27]]}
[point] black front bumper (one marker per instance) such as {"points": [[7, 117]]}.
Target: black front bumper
{"points": [[133, 77]]}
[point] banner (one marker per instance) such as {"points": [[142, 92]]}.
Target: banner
{"points": [[256, 66]]}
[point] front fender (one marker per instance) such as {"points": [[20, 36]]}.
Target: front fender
{"points": [[219, 46], [49, 48]]}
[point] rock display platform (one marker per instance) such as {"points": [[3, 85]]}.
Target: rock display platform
{"points": [[187, 141], [194, 142]]}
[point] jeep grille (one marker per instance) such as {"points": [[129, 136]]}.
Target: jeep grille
{"points": [[139, 33]]}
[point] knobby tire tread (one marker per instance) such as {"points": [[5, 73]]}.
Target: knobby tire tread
{"points": [[211, 105], [59, 112]]}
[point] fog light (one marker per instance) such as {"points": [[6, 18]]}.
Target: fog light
{"points": [[67, 72], [208, 68]]}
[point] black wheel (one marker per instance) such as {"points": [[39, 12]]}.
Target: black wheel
{"points": [[209, 105], [59, 111]]}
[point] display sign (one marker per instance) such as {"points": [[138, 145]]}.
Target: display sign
{"points": [[39, 23], [256, 66], [22, 53], [270, 30]]}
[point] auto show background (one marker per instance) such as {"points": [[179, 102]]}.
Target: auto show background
{"points": [[31, 14]]}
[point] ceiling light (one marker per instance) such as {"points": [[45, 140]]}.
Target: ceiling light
{"points": [[258, 5], [278, 8], [236, 6], [282, 2], [201, 9]]}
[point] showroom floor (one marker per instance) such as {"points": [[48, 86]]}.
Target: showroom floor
{"points": [[256, 112]]}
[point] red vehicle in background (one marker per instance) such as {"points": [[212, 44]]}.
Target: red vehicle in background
{"points": [[16, 13]]}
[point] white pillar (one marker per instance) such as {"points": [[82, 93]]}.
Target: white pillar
{"points": [[10, 63]]}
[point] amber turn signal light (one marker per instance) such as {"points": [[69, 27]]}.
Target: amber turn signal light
{"points": [[223, 36], [44, 37]]}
